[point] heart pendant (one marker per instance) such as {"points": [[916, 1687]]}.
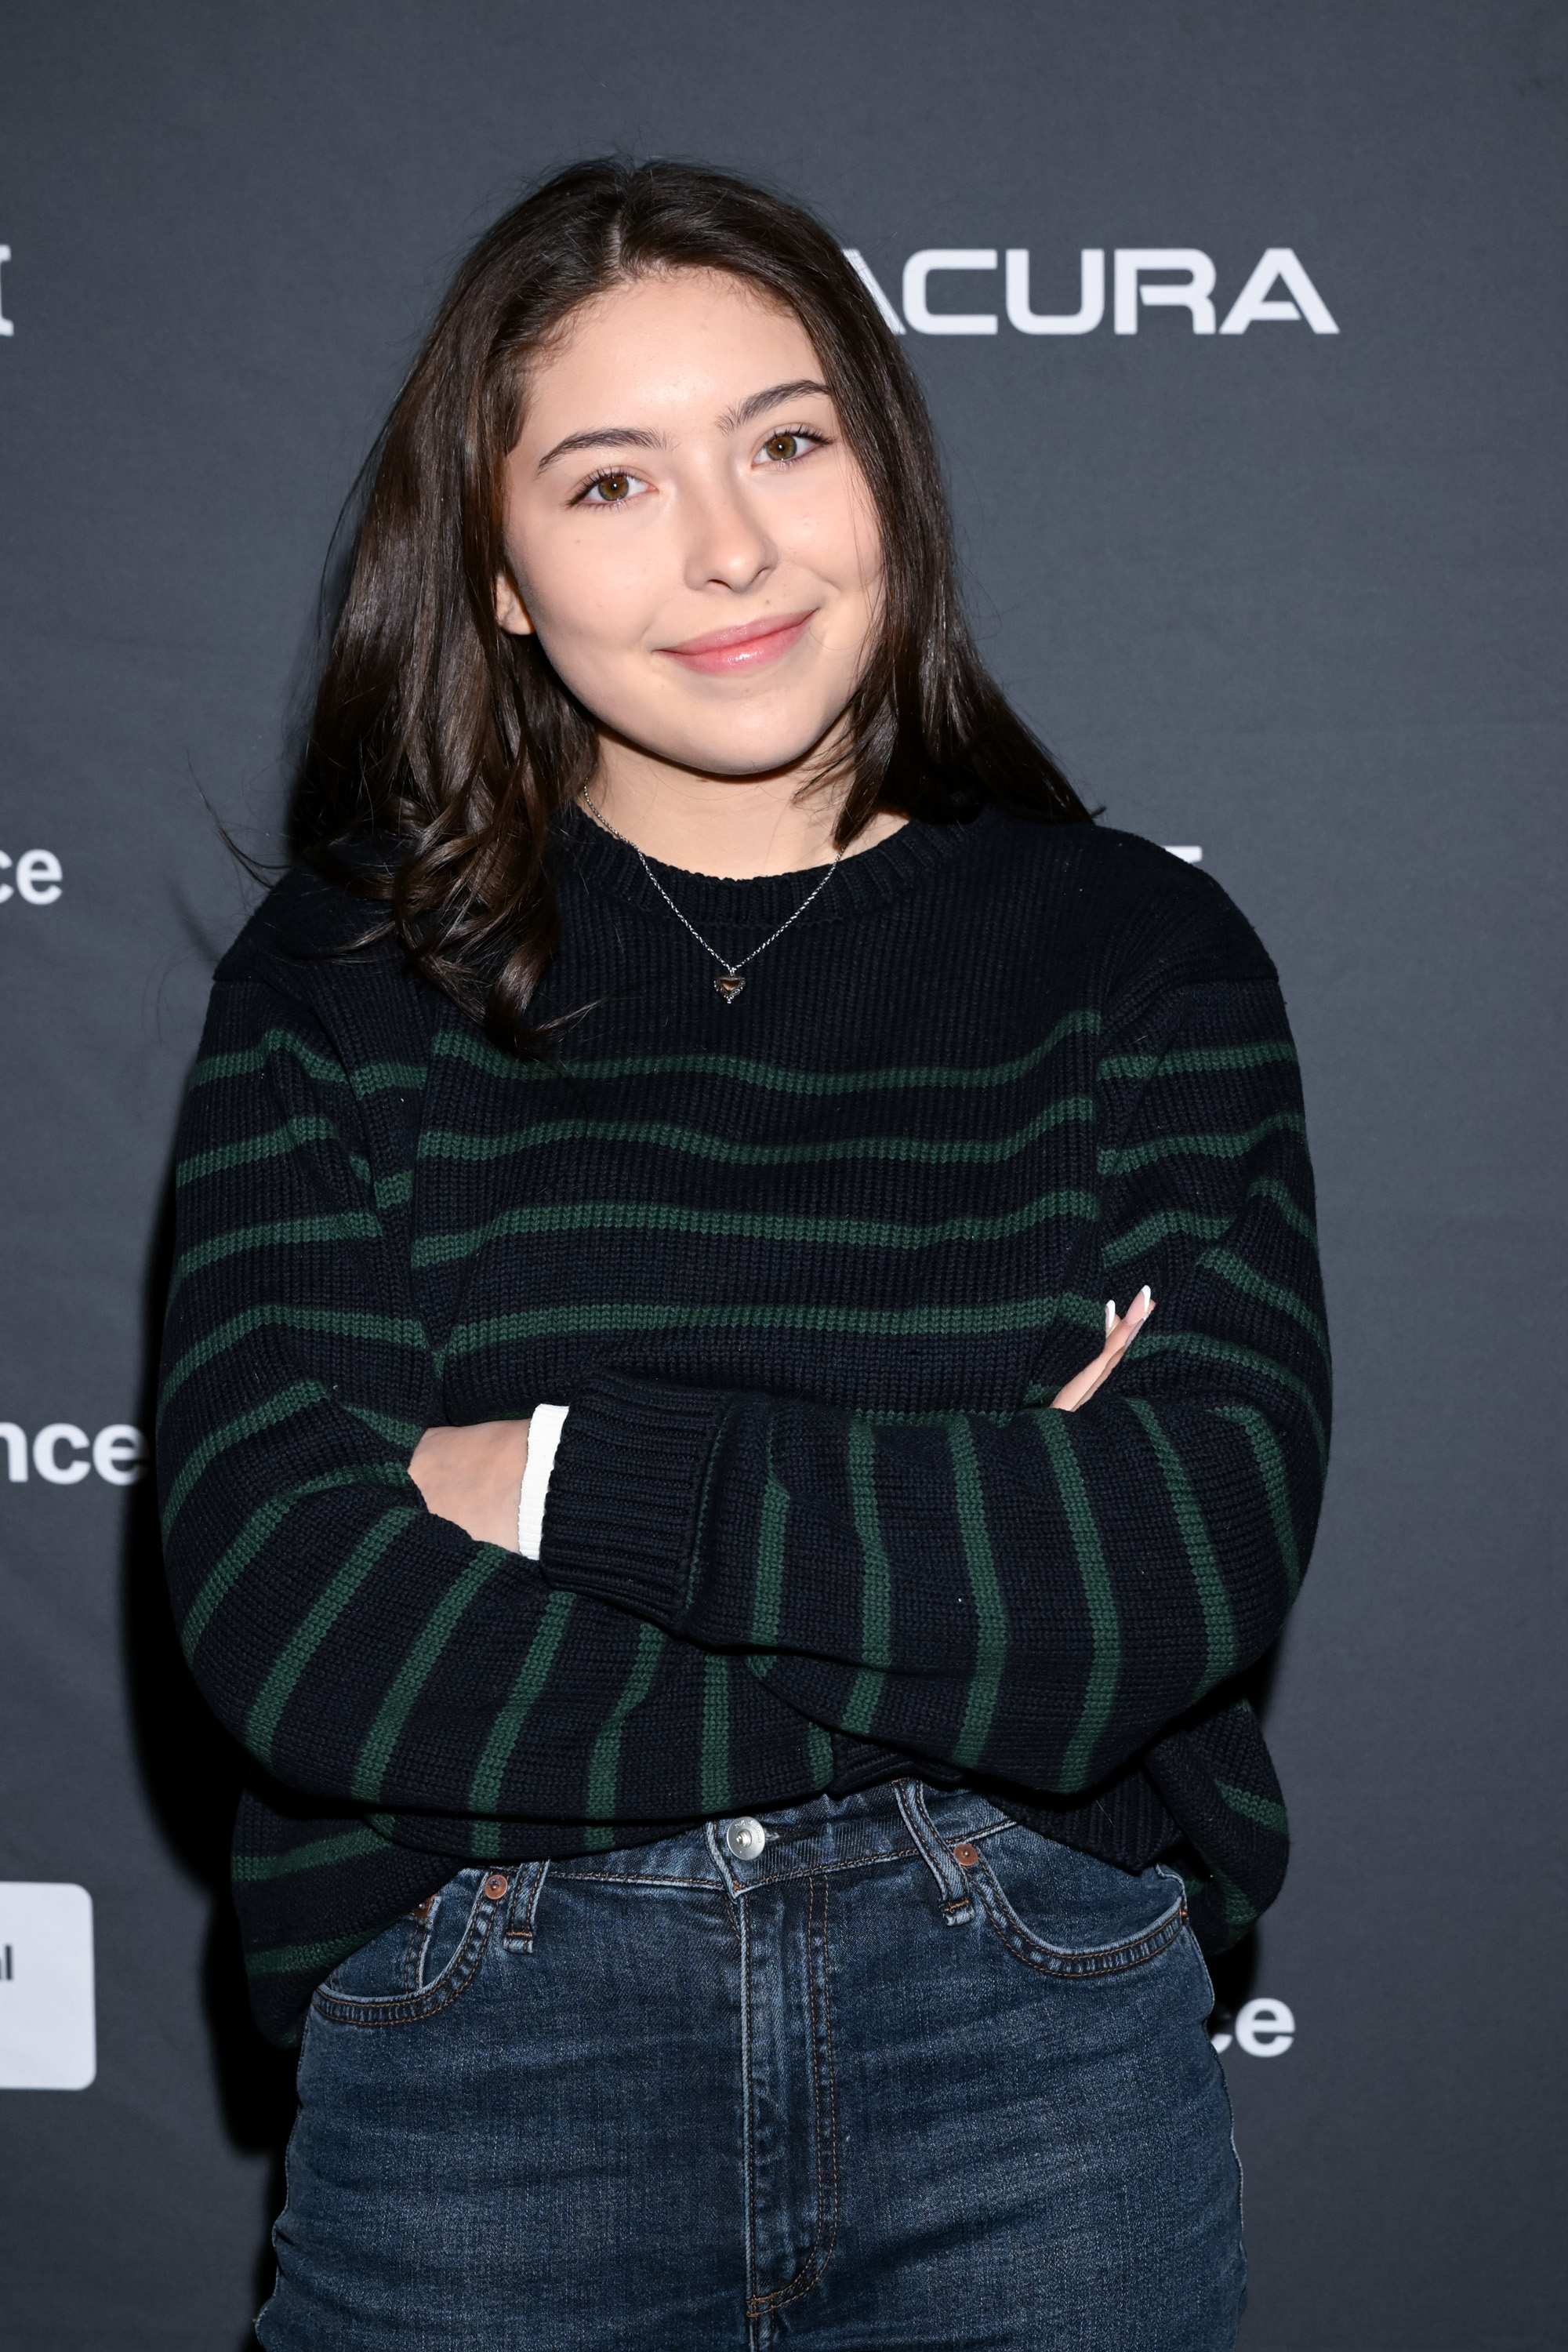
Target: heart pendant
{"points": [[730, 984]]}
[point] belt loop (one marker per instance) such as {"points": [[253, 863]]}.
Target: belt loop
{"points": [[957, 1903], [527, 1881]]}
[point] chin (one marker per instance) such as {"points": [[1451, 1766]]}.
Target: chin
{"points": [[728, 750], [738, 766]]}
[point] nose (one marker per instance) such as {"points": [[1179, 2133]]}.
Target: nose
{"points": [[727, 546]]}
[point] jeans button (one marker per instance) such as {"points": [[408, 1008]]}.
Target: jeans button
{"points": [[745, 1838]]}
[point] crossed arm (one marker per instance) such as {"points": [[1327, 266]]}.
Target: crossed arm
{"points": [[1041, 1596], [472, 1475]]}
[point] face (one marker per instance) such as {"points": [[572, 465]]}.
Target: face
{"points": [[687, 530]]}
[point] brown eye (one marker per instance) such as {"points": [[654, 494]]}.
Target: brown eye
{"points": [[781, 446], [612, 487]]}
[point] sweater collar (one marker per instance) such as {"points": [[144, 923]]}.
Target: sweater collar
{"points": [[867, 880]]}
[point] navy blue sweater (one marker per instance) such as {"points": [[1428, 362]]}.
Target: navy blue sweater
{"points": [[807, 1267]]}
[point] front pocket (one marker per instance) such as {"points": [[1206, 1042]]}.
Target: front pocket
{"points": [[1070, 1914], [398, 1960]]}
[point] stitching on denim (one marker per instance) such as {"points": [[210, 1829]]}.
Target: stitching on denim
{"points": [[642, 1878], [1075, 1966], [411, 1970], [406, 2009], [815, 2262], [521, 1918], [824, 1869], [748, 2105], [936, 1852], [906, 1795]]}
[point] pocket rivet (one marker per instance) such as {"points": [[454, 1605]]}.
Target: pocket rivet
{"points": [[496, 1885], [966, 1855]]}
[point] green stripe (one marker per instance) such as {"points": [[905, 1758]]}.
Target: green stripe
{"points": [[312, 1630], [1239, 1912], [293, 1232], [1275, 1484], [282, 1315], [281, 1407], [395, 1191], [465, 1045], [1163, 1225], [818, 1756], [991, 1618], [1105, 1629], [369, 1078], [767, 1591], [604, 1762], [405, 1434], [1270, 1188], [905, 1150], [318, 1853], [1119, 1160], [249, 1059], [1252, 1285], [1212, 1598], [231, 1564], [600, 1318], [305, 1959], [229, 1568], [1166, 1225], [731, 1224], [483, 1563], [1263, 1811], [303, 1126], [715, 1736], [1194, 1058], [484, 1794], [1227, 1351], [876, 1582]]}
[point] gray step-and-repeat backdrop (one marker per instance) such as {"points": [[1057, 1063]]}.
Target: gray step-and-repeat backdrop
{"points": [[1243, 325]]}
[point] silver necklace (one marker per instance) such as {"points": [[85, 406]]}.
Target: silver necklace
{"points": [[729, 979]]}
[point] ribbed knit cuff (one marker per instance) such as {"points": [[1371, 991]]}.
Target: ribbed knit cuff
{"points": [[620, 1518]]}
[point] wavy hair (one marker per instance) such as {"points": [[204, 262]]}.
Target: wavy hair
{"points": [[436, 731]]}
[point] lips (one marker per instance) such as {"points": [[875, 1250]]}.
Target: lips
{"points": [[748, 646]]}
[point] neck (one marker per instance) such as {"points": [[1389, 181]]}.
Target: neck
{"points": [[734, 828]]}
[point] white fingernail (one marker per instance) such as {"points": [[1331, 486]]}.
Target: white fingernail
{"points": [[1148, 1302], [1109, 1316]]}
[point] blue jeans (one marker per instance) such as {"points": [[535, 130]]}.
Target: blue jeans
{"points": [[911, 2076]]}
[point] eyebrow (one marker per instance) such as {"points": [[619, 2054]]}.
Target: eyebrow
{"points": [[761, 401], [636, 436]]}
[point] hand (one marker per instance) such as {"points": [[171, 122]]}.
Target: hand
{"points": [[472, 1477], [1119, 1333]]}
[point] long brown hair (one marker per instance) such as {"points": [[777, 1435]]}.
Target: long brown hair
{"points": [[436, 728]]}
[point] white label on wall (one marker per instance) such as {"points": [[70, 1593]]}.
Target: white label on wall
{"points": [[1264, 2028], [47, 2037], [62, 1452], [36, 878]]}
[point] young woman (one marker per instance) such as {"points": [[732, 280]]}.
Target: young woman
{"points": [[739, 1648]]}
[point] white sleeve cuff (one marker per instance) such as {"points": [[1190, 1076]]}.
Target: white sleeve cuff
{"points": [[543, 1436]]}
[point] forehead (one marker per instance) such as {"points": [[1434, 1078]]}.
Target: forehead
{"points": [[677, 348]]}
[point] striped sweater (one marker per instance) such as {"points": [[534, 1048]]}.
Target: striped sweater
{"points": [[807, 1268]]}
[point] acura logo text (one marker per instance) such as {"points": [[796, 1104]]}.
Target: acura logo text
{"points": [[1143, 277]]}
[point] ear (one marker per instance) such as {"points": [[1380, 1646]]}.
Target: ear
{"points": [[510, 611]]}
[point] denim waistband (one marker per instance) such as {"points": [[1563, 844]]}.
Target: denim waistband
{"points": [[895, 1821]]}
